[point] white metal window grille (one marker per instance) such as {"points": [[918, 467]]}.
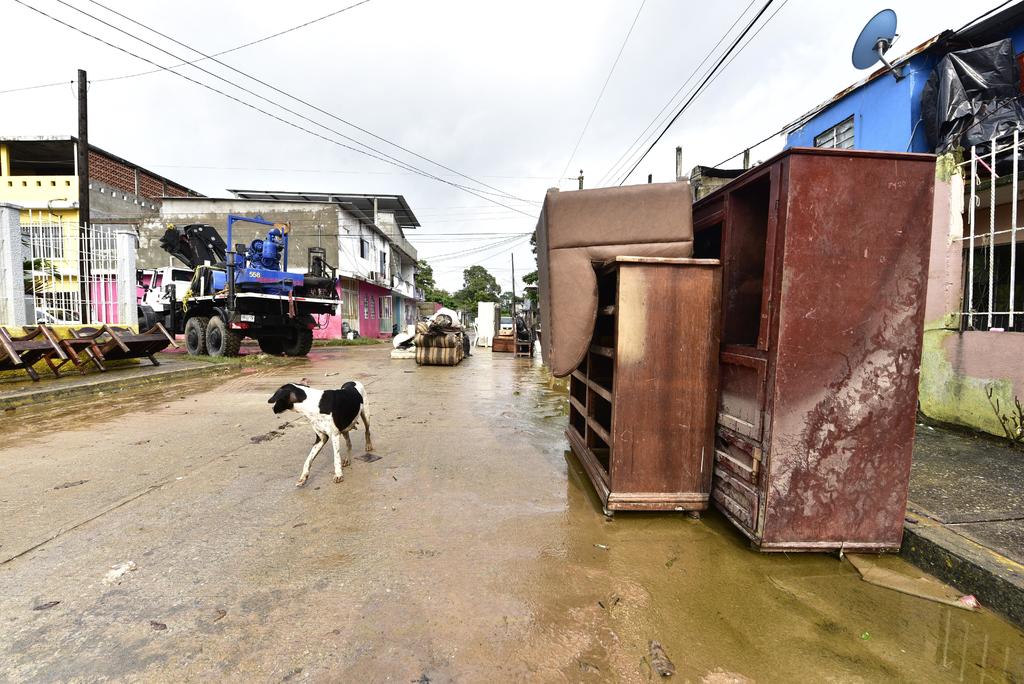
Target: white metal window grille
{"points": [[993, 297], [839, 136], [70, 276]]}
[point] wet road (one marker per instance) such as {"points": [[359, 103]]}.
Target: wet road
{"points": [[468, 552]]}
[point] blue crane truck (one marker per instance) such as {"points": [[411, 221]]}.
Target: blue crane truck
{"points": [[227, 295]]}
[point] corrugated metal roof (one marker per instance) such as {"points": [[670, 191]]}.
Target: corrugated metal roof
{"points": [[360, 204]]}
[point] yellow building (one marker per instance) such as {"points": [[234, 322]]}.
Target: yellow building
{"points": [[40, 175]]}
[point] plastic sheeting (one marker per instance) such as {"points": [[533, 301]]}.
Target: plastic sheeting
{"points": [[972, 96]]}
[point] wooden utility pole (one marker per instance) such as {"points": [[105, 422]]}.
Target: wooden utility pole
{"points": [[580, 179], [83, 149], [514, 284], [746, 159], [84, 261], [679, 163]]}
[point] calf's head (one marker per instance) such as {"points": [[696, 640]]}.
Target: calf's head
{"points": [[286, 397]]}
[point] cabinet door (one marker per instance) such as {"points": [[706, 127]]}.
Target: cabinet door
{"points": [[741, 399]]}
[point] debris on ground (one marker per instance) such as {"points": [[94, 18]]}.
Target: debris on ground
{"points": [[603, 547], [612, 602], [273, 434], [327, 375], [660, 661], [220, 613], [46, 606], [588, 667], [117, 572], [369, 458], [68, 485], [158, 626], [921, 587]]}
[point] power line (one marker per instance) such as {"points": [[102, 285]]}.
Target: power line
{"points": [[610, 173], [290, 96], [699, 89], [603, 87], [339, 171], [216, 54], [254, 107]]}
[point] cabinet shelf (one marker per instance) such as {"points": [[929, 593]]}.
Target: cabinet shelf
{"points": [[643, 430]]}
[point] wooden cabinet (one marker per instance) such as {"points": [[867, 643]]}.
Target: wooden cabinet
{"points": [[642, 403], [824, 266]]}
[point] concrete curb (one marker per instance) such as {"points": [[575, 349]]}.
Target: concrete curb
{"points": [[996, 581], [106, 383]]}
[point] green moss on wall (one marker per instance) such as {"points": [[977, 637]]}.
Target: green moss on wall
{"points": [[953, 398]]}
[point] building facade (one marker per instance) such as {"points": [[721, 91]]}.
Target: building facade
{"points": [[361, 237], [971, 370], [75, 275]]}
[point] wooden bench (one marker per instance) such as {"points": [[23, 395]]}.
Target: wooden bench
{"points": [[25, 350], [124, 343]]}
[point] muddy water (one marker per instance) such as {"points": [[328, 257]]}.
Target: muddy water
{"points": [[719, 607], [473, 550]]}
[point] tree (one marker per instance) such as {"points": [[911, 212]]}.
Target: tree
{"points": [[478, 285], [506, 302], [530, 293], [424, 280]]}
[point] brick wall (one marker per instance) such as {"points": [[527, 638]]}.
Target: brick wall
{"points": [[113, 173], [150, 186], [122, 176]]}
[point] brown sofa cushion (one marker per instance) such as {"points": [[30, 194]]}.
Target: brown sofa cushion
{"points": [[578, 228]]}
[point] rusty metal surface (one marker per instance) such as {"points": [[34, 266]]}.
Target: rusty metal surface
{"points": [[847, 345]]}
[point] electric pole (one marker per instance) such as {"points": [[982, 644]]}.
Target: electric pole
{"points": [[82, 151]]}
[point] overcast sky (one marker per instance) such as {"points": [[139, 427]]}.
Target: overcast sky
{"points": [[499, 91]]}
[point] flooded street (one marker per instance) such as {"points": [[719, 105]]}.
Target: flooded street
{"points": [[472, 550]]}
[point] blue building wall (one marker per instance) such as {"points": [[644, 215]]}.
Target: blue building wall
{"points": [[886, 113]]}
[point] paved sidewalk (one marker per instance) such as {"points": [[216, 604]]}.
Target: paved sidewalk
{"points": [[16, 393], [965, 516]]}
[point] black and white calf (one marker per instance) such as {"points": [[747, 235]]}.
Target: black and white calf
{"points": [[332, 413]]}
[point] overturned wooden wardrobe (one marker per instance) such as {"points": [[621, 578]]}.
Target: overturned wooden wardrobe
{"points": [[642, 402]]}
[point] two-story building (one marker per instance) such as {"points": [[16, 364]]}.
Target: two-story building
{"points": [[974, 333], [71, 276], [360, 235]]}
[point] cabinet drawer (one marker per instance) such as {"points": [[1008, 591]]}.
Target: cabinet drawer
{"points": [[737, 475]]}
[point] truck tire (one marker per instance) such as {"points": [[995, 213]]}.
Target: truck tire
{"points": [[195, 335], [272, 345], [220, 339], [299, 343], [147, 317]]}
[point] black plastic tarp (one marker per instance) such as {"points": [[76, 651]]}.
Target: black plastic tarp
{"points": [[972, 96]]}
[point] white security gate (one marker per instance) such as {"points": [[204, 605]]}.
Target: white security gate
{"points": [[71, 273], [993, 245]]}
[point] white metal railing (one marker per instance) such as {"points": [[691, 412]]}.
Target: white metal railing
{"points": [[991, 300], [70, 277]]}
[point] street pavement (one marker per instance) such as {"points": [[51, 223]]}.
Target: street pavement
{"points": [[157, 535]]}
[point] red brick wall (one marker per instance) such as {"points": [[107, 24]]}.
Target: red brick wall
{"points": [[176, 191], [111, 172], [122, 176], [149, 186]]}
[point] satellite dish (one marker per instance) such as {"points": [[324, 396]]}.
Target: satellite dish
{"points": [[874, 41]]}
